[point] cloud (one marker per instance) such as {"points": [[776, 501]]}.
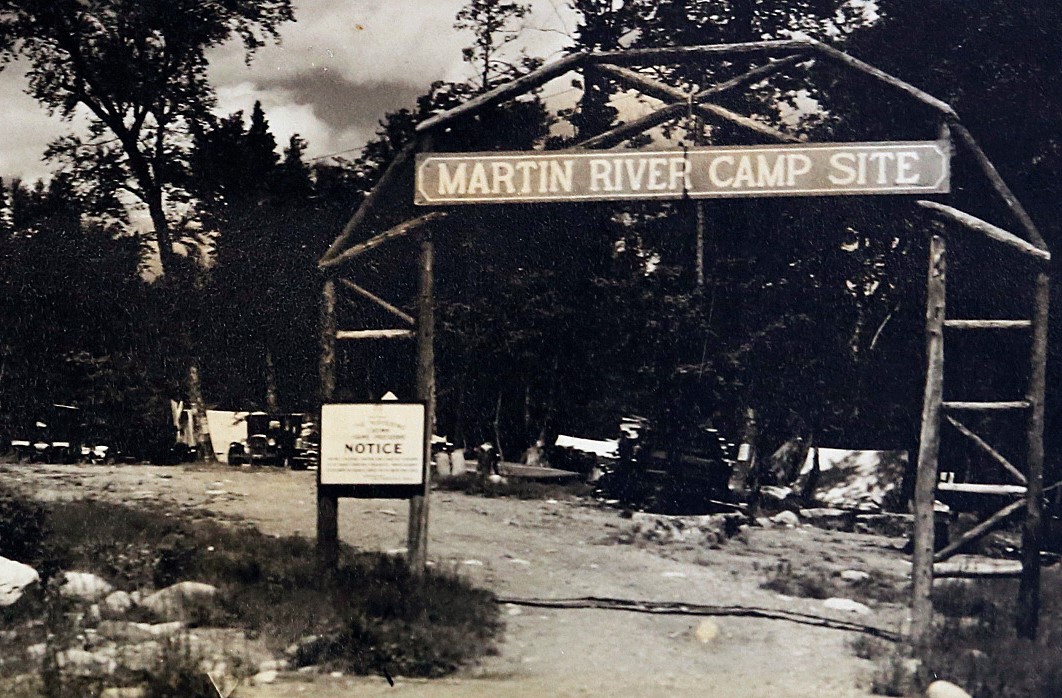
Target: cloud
{"points": [[28, 126]]}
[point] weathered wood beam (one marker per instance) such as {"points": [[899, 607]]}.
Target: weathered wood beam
{"points": [[395, 232], [979, 530], [1027, 618], [987, 448], [988, 406], [374, 334], [513, 88], [981, 488], [659, 90], [999, 185], [685, 54], [673, 111], [880, 75], [988, 324], [369, 295], [964, 219], [920, 611], [389, 176]]}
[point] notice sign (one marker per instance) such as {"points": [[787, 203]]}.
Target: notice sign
{"points": [[806, 169], [372, 444]]}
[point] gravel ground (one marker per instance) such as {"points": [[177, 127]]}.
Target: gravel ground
{"points": [[548, 548]]}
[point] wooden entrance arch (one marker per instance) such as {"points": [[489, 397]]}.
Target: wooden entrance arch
{"points": [[362, 233]]}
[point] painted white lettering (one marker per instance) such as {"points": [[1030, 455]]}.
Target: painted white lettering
{"points": [[656, 174], [477, 181], [842, 162], [904, 162], [770, 175], [599, 175], [635, 175], [525, 167], [745, 176], [713, 171], [456, 183], [882, 158], [560, 176], [679, 174], [502, 173], [798, 164]]}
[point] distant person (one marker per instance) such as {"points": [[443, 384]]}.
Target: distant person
{"points": [[534, 455], [489, 460]]}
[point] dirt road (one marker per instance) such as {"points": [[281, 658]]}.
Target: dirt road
{"points": [[557, 549]]}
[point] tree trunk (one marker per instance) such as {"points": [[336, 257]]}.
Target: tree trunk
{"points": [[272, 402], [195, 400]]}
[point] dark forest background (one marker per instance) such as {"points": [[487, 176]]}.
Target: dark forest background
{"points": [[551, 318]]}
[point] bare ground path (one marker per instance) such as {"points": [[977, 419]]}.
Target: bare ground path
{"points": [[554, 549]]}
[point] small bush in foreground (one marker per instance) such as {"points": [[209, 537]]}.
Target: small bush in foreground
{"points": [[372, 613], [22, 527]]}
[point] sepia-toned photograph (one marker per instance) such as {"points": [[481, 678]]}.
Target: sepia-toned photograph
{"points": [[561, 348]]}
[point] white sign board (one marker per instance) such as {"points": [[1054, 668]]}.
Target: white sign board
{"points": [[372, 444]]}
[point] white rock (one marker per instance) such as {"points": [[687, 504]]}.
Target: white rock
{"points": [[85, 586], [14, 578], [118, 602], [177, 602], [127, 692], [273, 665], [945, 689], [264, 677], [37, 651], [786, 518], [86, 663], [855, 576], [847, 605], [706, 631]]}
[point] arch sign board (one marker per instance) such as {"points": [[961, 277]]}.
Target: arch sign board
{"points": [[805, 169], [376, 445]]}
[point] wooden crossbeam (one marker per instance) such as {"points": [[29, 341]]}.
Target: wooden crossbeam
{"points": [[994, 232], [981, 488], [389, 176], [999, 185], [514, 88], [987, 448], [659, 90], [988, 406], [685, 54], [988, 324], [673, 111], [369, 295], [395, 232], [880, 75], [979, 530], [375, 334]]}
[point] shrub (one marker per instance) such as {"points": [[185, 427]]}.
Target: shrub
{"points": [[22, 527]]}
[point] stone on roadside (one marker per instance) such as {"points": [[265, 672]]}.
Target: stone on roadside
{"points": [[787, 519], [85, 586], [15, 577], [85, 663], [707, 630], [945, 689], [124, 692], [847, 605], [118, 603], [180, 601], [264, 677], [855, 576], [829, 518]]}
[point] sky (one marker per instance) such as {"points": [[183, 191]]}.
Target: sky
{"points": [[339, 68]]}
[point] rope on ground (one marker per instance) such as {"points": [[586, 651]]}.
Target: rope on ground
{"points": [[691, 609]]}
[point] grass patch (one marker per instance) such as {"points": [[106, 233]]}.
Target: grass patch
{"points": [[516, 488], [816, 582], [369, 616]]}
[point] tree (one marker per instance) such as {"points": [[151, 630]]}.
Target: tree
{"points": [[138, 69], [490, 22]]}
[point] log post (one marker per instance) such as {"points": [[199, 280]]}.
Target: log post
{"points": [[921, 609], [327, 505], [418, 506], [1028, 612]]}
